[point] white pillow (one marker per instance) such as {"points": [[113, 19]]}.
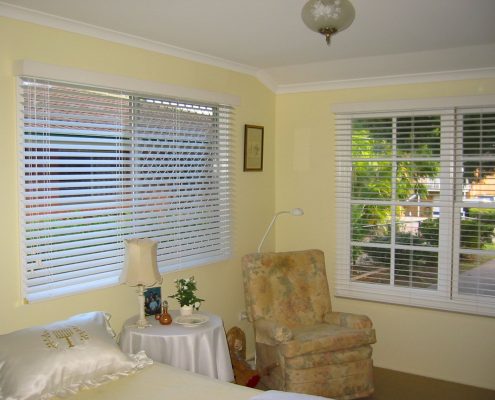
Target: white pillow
{"points": [[61, 358]]}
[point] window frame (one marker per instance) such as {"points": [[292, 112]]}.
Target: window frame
{"points": [[44, 72], [446, 296]]}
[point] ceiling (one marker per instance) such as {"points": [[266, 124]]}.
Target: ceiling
{"points": [[267, 38]]}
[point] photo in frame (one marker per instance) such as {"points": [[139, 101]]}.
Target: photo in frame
{"points": [[153, 301], [253, 148]]}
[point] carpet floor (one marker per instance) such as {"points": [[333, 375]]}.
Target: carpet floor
{"points": [[393, 385]]}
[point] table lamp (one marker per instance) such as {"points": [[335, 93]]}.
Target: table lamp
{"points": [[140, 270], [296, 212]]}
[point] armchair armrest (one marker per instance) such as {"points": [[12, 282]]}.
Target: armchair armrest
{"points": [[271, 332], [348, 320]]}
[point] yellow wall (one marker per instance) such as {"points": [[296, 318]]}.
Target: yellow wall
{"points": [[444, 345], [449, 346], [220, 284]]}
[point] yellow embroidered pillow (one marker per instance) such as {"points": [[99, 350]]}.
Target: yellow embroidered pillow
{"points": [[62, 358]]}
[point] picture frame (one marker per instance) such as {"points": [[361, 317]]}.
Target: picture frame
{"points": [[253, 147], [153, 301]]}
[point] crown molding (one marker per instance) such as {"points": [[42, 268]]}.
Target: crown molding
{"points": [[264, 76], [429, 77], [266, 79], [66, 24]]}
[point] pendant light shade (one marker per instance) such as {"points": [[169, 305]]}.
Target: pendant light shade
{"points": [[328, 16]]}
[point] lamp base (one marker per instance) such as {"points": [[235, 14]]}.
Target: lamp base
{"points": [[141, 322]]}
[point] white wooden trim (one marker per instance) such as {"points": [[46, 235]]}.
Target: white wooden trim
{"points": [[404, 105], [37, 69], [377, 81]]}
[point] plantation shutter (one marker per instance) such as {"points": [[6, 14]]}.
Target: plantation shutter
{"points": [[392, 189], [100, 165], [415, 206], [474, 257]]}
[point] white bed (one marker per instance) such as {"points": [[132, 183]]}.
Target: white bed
{"points": [[163, 382], [160, 381], [79, 358]]}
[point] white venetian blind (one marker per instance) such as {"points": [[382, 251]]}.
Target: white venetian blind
{"points": [[100, 165]]}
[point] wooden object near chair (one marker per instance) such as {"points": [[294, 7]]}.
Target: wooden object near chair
{"points": [[301, 345], [243, 373]]}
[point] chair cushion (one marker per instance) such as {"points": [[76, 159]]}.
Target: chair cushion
{"points": [[325, 337]]}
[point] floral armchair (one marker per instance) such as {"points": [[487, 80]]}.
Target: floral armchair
{"points": [[301, 345]]}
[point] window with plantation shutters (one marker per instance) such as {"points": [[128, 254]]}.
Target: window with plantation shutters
{"points": [[100, 165], [415, 204]]}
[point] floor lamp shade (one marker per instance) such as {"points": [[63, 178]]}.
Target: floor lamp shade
{"points": [[296, 212], [140, 267]]}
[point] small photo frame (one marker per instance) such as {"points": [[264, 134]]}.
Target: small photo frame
{"points": [[153, 301], [253, 148]]}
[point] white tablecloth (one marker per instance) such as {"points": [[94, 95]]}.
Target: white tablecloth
{"points": [[202, 349]]}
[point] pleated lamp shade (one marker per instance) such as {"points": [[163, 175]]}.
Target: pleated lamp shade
{"points": [[140, 267]]}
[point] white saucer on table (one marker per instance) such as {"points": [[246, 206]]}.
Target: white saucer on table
{"points": [[191, 321]]}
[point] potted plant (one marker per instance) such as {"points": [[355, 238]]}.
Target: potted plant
{"points": [[185, 295]]}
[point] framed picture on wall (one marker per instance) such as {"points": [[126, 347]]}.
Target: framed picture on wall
{"points": [[253, 148]]}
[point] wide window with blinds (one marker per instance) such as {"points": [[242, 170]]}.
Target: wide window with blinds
{"points": [[98, 166], [416, 207]]}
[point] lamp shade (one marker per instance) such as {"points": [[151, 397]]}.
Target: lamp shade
{"points": [[140, 267], [296, 212]]}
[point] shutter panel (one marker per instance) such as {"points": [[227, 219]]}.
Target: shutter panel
{"points": [[101, 165], [475, 206], [393, 205], [415, 195]]}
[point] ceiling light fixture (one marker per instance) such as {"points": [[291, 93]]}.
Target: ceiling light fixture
{"points": [[328, 16]]}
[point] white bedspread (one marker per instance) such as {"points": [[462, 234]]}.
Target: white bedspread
{"points": [[163, 382]]}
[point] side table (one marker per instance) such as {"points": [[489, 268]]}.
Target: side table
{"points": [[202, 349]]}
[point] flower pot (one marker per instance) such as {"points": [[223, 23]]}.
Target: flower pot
{"points": [[186, 310]]}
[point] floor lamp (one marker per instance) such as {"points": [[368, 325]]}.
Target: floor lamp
{"points": [[140, 270], [296, 212]]}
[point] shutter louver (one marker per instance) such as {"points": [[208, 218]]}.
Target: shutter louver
{"points": [[392, 168], [99, 165], [415, 207]]}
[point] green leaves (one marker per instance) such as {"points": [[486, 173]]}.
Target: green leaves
{"points": [[185, 292]]}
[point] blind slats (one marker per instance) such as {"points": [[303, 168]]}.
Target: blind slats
{"points": [[101, 165], [415, 195]]}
